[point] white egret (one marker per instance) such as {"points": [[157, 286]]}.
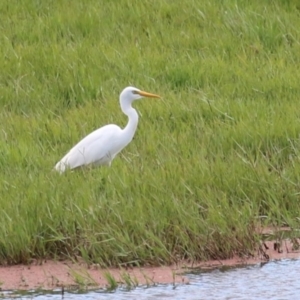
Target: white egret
{"points": [[102, 145]]}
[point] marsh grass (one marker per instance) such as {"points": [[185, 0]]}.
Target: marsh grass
{"points": [[212, 159], [82, 279], [112, 283], [130, 282]]}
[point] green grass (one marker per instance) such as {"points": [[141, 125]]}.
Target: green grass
{"points": [[215, 157]]}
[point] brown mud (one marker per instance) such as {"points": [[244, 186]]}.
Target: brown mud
{"points": [[57, 274]]}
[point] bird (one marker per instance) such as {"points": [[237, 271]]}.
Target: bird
{"points": [[101, 146]]}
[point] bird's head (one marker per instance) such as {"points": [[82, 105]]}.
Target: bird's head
{"points": [[130, 94]]}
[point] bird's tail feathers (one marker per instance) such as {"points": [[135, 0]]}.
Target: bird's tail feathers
{"points": [[61, 167]]}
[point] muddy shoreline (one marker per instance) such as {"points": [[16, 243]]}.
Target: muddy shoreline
{"points": [[51, 275]]}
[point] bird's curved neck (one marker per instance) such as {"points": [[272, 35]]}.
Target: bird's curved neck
{"points": [[133, 119]]}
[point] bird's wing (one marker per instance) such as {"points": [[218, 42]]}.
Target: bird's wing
{"points": [[98, 147]]}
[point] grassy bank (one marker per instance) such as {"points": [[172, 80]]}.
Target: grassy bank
{"points": [[218, 154]]}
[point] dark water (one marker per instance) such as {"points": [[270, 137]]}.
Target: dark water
{"points": [[273, 280]]}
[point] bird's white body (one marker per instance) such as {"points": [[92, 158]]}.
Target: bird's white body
{"points": [[98, 148], [102, 145]]}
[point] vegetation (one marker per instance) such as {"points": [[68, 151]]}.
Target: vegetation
{"points": [[218, 155]]}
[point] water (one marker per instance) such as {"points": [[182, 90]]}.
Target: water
{"points": [[273, 280]]}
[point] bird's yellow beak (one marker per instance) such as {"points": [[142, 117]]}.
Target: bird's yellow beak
{"points": [[149, 95]]}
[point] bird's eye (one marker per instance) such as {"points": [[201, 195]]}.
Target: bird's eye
{"points": [[134, 92]]}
